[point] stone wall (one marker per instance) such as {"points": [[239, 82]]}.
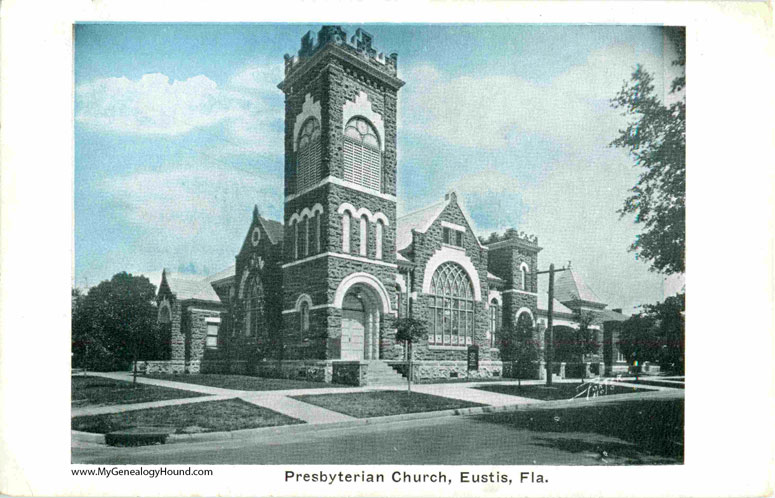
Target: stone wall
{"points": [[164, 367], [351, 373], [438, 370], [312, 370], [196, 334]]}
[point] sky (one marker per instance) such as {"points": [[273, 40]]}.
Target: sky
{"points": [[179, 132]]}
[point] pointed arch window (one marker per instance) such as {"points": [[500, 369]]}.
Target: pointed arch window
{"points": [[308, 153], [254, 316], [362, 154], [451, 306]]}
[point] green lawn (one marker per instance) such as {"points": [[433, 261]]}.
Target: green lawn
{"points": [[557, 391], [650, 431], [97, 391], [206, 416], [383, 403], [243, 382]]}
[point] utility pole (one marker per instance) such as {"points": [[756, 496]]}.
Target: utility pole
{"points": [[549, 335]]}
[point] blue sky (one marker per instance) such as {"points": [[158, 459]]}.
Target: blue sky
{"points": [[178, 133]]}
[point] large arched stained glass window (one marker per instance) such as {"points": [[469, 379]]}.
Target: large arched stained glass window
{"points": [[451, 306], [362, 155], [308, 155]]}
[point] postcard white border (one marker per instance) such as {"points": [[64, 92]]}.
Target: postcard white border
{"points": [[729, 402]]}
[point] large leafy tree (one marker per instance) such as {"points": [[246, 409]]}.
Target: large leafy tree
{"points": [[656, 334], [655, 137], [669, 316], [638, 340], [114, 321]]}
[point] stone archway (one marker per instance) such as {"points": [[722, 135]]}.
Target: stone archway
{"points": [[360, 324]]}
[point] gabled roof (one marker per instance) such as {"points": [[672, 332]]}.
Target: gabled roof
{"points": [[222, 275], [611, 316], [543, 305], [569, 287], [420, 220], [189, 287], [274, 229]]}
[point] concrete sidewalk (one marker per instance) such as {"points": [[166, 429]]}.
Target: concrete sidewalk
{"points": [[102, 410], [281, 401]]}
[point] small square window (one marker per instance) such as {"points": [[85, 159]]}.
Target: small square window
{"points": [[459, 239]]}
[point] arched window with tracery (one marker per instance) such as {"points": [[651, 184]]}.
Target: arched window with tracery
{"points": [[254, 315], [451, 306], [362, 154], [308, 155]]}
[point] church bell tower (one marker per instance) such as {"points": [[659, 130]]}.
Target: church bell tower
{"points": [[339, 254]]}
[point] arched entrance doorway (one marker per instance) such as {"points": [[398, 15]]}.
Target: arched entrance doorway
{"points": [[360, 324]]}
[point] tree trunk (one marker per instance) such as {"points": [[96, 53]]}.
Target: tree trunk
{"points": [[409, 373]]}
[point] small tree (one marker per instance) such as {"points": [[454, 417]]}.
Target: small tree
{"points": [[520, 347], [586, 337], [409, 331], [571, 344], [638, 340]]}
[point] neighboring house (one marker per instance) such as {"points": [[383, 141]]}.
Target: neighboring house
{"points": [[314, 297], [571, 297]]}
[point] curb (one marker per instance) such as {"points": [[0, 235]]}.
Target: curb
{"points": [[479, 410], [87, 437]]}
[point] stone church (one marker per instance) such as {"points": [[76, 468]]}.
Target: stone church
{"points": [[314, 296]]}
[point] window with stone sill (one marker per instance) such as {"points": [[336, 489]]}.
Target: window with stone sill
{"points": [[452, 237], [211, 342], [362, 154]]}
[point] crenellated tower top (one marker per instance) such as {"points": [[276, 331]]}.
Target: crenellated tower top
{"points": [[358, 45]]}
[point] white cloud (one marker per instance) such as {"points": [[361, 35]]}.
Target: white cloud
{"points": [[496, 111], [153, 105], [248, 106]]}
